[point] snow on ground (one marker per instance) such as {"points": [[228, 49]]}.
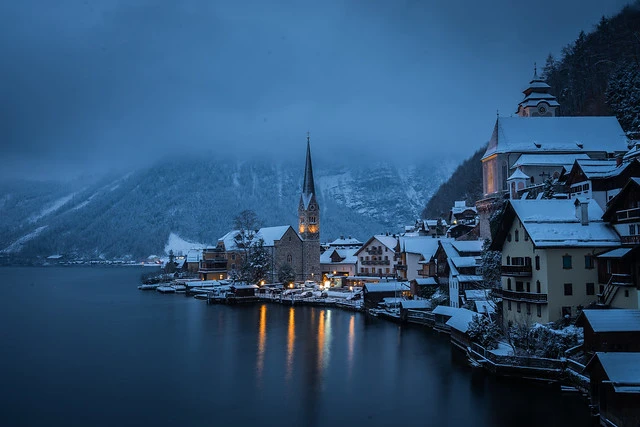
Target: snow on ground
{"points": [[17, 245], [503, 349], [181, 246], [52, 207]]}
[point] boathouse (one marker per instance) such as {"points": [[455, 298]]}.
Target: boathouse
{"points": [[610, 330], [374, 293]]}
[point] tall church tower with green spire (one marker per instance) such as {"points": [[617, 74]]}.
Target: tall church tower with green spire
{"points": [[309, 223]]}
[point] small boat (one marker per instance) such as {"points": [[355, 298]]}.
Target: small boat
{"points": [[147, 287], [166, 289]]}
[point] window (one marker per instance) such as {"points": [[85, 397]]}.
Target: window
{"points": [[632, 229], [585, 187], [509, 237], [588, 261], [508, 260], [538, 286], [233, 256], [386, 258], [361, 258], [387, 270], [289, 259], [566, 261], [379, 271], [509, 284], [566, 311], [568, 289], [537, 262], [517, 236], [526, 236], [539, 310], [528, 308], [528, 286], [518, 307], [626, 293], [519, 287], [509, 305], [591, 289]]}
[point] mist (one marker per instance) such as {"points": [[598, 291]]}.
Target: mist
{"points": [[94, 87]]}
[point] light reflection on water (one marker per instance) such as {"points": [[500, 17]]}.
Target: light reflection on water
{"points": [[262, 341], [351, 339], [291, 338]]}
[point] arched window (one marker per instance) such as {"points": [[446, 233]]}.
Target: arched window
{"points": [[509, 284], [516, 236], [289, 259], [508, 260]]}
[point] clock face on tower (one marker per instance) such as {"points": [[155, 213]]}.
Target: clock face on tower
{"points": [[542, 109], [312, 207]]}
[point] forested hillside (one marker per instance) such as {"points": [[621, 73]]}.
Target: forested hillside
{"points": [[597, 75], [464, 184]]}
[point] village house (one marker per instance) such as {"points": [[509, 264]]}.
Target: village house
{"points": [[337, 261], [192, 261], [615, 387], [599, 179], [555, 141], [415, 254], [457, 262], [423, 287], [213, 264], [619, 270], [379, 256], [549, 250], [375, 293]]}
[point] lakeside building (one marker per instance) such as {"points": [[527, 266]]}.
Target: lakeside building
{"points": [[379, 256], [549, 250], [537, 145]]}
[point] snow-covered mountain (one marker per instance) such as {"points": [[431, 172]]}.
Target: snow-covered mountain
{"points": [[196, 200]]}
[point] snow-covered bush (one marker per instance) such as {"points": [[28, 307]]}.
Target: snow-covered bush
{"points": [[542, 341], [484, 331]]}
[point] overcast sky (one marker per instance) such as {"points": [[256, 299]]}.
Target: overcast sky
{"points": [[91, 86]]}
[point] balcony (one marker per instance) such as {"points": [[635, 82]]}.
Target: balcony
{"points": [[516, 270], [628, 214], [521, 296], [213, 266]]}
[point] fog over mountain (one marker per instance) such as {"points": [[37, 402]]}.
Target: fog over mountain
{"points": [[133, 215]]}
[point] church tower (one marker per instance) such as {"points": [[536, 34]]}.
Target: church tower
{"points": [[537, 102], [309, 223]]}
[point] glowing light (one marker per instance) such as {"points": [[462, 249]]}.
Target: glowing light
{"points": [[262, 340], [351, 288], [290, 285], [327, 284], [291, 337], [262, 283]]}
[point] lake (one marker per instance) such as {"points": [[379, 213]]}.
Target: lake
{"points": [[83, 346]]}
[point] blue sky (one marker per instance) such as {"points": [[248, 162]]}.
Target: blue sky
{"points": [[91, 86]]}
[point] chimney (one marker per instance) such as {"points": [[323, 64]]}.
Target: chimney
{"points": [[582, 211]]}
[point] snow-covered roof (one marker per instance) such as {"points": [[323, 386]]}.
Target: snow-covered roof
{"points": [[194, 255], [348, 256], [229, 240], [600, 168], [425, 281], [445, 310], [469, 278], [548, 160], [464, 261], [615, 253], [613, 320], [423, 245], [583, 134], [468, 246], [271, 234], [386, 287], [633, 152], [553, 223], [476, 294], [622, 369], [244, 286], [485, 307], [518, 174], [344, 242], [416, 304], [388, 241], [461, 319]]}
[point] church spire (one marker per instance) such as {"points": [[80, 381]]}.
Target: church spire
{"points": [[308, 186]]}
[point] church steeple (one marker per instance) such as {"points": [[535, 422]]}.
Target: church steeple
{"points": [[308, 186], [538, 101], [309, 222]]}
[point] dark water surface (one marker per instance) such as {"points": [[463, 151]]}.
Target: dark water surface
{"points": [[83, 346]]}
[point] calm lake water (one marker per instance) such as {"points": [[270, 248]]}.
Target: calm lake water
{"points": [[83, 346]]}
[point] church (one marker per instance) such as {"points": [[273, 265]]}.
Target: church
{"points": [[299, 248], [537, 144]]}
